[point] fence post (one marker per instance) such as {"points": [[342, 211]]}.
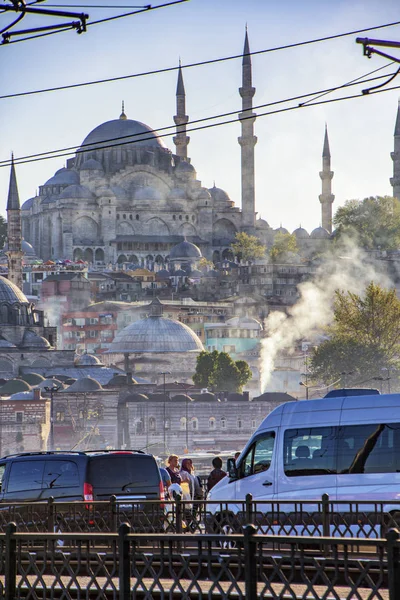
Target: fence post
{"points": [[124, 562], [178, 513], [393, 562], [114, 520], [10, 573], [250, 562], [249, 509], [51, 521], [326, 529]]}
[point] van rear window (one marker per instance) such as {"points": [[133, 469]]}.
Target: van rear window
{"points": [[123, 470]]}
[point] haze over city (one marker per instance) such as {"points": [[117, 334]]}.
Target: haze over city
{"points": [[288, 152]]}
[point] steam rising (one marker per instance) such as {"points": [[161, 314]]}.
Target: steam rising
{"points": [[348, 269]]}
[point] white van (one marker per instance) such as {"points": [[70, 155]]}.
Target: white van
{"points": [[347, 447]]}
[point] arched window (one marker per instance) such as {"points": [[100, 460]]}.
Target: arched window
{"points": [[152, 424], [187, 217], [239, 423], [223, 423], [60, 414], [137, 217], [117, 216], [195, 423], [182, 423], [174, 217], [139, 427], [211, 423], [124, 216], [131, 217], [180, 217]]}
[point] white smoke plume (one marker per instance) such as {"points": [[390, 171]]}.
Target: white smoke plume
{"points": [[347, 269]]}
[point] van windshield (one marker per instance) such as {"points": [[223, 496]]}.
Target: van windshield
{"points": [[122, 471]]}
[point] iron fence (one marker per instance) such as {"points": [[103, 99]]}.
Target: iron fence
{"points": [[127, 566], [315, 518]]}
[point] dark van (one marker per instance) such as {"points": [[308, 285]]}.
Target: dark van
{"points": [[131, 476]]}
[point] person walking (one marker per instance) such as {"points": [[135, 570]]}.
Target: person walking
{"points": [[216, 474], [173, 469]]}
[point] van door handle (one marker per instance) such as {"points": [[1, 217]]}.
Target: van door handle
{"points": [[267, 483]]}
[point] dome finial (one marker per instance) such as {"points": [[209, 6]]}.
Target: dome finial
{"points": [[123, 115]]}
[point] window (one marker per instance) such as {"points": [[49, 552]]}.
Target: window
{"points": [[211, 423], [259, 457], [182, 423], [239, 423], [309, 451], [19, 417], [369, 449], [60, 415], [152, 424], [223, 423], [60, 473], [26, 475], [195, 424]]}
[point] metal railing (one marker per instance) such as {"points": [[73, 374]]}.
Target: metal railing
{"points": [[124, 565], [315, 518]]}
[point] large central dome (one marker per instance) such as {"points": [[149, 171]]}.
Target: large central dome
{"points": [[123, 130], [158, 335]]}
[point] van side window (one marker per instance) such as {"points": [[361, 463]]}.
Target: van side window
{"points": [[60, 473], [310, 451], [259, 457], [2, 469], [25, 475], [369, 448]]}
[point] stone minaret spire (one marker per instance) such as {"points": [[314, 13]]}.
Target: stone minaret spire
{"points": [[247, 141], [181, 140], [14, 231], [395, 180], [326, 198]]}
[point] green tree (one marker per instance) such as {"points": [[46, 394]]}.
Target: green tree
{"points": [[247, 247], [284, 244], [205, 264], [3, 231], [363, 339], [373, 222], [219, 371]]}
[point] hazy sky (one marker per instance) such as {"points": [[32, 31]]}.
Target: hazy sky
{"points": [[288, 152]]}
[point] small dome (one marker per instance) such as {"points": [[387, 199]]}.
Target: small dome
{"points": [[86, 360], [78, 192], [219, 195], [50, 199], [5, 343], [244, 323], [10, 293], [27, 205], [156, 334], [86, 384], [163, 274], [32, 378], [91, 165], [301, 234], [179, 273], [320, 233], [28, 395], [33, 340], [13, 386], [262, 224], [63, 177], [185, 250], [118, 191], [177, 194], [185, 167], [50, 383], [136, 398], [204, 194], [119, 380], [147, 193], [27, 249], [181, 398], [281, 230]]}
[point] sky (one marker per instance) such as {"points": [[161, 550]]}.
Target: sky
{"points": [[288, 153]]}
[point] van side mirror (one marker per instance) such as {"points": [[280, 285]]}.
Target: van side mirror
{"points": [[232, 469]]}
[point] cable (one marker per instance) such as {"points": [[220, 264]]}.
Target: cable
{"points": [[146, 9], [191, 65], [142, 135]]}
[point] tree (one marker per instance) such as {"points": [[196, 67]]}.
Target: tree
{"points": [[247, 247], [374, 222], [284, 244], [3, 231], [363, 339], [205, 264], [218, 370]]}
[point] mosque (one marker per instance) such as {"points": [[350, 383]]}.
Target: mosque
{"points": [[125, 197]]}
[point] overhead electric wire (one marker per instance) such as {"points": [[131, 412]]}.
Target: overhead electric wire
{"points": [[62, 153], [148, 8], [191, 65]]}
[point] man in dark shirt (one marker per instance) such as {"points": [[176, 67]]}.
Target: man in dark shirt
{"points": [[216, 474]]}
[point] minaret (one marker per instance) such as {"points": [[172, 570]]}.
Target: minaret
{"points": [[326, 198], [247, 141], [181, 140], [395, 180], [14, 231]]}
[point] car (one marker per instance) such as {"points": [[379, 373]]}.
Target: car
{"points": [[131, 478]]}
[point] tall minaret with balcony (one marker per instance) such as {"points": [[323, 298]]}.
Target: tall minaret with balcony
{"points": [[247, 142], [181, 140], [14, 231], [395, 180], [326, 198]]}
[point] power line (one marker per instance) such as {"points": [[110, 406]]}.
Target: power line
{"points": [[191, 65], [62, 152], [136, 12]]}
